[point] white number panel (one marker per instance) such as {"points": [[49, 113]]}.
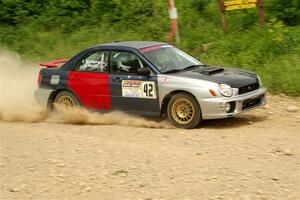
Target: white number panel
{"points": [[139, 89]]}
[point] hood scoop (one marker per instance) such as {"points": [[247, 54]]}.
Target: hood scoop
{"points": [[211, 71]]}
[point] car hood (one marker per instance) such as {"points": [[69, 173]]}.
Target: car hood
{"points": [[236, 78]]}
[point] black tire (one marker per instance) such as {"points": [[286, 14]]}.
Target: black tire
{"points": [[70, 99], [184, 111]]}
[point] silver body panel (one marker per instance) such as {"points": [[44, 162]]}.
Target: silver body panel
{"points": [[42, 96], [211, 107]]}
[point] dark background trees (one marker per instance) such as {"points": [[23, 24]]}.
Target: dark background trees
{"points": [[49, 29]]}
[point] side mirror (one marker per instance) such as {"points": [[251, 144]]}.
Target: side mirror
{"points": [[143, 71]]}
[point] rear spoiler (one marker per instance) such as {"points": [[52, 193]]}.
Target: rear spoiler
{"points": [[54, 63]]}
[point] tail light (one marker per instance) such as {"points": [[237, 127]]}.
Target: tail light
{"points": [[39, 80]]}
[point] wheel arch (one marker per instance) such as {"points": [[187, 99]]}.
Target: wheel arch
{"points": [[54, 93], [168, 97]]}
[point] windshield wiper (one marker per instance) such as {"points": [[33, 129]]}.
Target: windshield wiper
{"points": [[172, 71], [193, 66], [184, 69]]}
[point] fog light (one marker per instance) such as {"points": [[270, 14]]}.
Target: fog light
{"points": [[227, 107]]}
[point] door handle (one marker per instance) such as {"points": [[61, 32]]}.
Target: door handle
{"points": [[117, 79], [76, 77]]}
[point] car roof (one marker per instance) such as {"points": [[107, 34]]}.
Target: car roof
{"points": [[133, 44]]}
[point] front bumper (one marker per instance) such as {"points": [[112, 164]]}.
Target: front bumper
{"points": [[213, 108]]}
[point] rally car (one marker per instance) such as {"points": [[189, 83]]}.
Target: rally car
{"points": [[149, 78]]}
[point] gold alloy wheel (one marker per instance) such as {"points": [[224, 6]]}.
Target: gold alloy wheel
{"points": [[183, 111], [66, 101]]}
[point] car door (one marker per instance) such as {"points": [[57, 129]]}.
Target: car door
{"points": [[90, 81], [130, 91]]}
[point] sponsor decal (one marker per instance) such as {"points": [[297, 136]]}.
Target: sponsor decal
{"points": [[54, 79], [165, 80], [149, 49], [138, 89], [94, 64], [166, 46]]}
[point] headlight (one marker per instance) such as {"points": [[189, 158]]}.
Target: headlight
{"points": [[259, 81], [225, 90]]}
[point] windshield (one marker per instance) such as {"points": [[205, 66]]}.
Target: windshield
{"points": [[167, 58]]}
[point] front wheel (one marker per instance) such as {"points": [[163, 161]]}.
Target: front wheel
{"points": [[184, 111]]}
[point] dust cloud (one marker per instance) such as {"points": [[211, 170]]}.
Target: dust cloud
{"points": [[18, 80], [17, 84], [83, 116]]}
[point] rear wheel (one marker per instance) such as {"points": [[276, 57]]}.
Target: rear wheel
{"points": [[66, 99], [184, 111]]}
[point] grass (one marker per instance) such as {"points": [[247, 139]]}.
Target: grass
{"points": [[273, 52]]}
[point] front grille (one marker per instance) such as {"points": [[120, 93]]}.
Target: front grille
{"points": [[251, 103], [248, 88]]}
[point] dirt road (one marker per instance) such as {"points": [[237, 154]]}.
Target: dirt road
{"points": [[254, 156]]}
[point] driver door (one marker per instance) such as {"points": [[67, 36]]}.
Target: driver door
{"points": [[130, 91]]}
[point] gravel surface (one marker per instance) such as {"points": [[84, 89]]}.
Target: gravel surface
{"points": [[253, 156]]}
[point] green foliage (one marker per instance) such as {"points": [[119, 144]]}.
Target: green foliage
{"points": [[53, 29], [282, 74], [286, 11]]}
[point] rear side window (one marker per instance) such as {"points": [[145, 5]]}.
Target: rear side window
{"points": [[94, 62]]}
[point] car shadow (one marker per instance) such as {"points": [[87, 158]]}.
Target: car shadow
{"points": [[234, 122]]}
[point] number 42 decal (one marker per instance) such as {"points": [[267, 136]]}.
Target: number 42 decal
{"points": [[149, 89]]}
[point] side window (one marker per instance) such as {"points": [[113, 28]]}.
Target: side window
{"points": [[125, 62], [94, 62]]}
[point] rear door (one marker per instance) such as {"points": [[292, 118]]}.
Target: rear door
{"points": [[90, 81], [131, 92]]}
